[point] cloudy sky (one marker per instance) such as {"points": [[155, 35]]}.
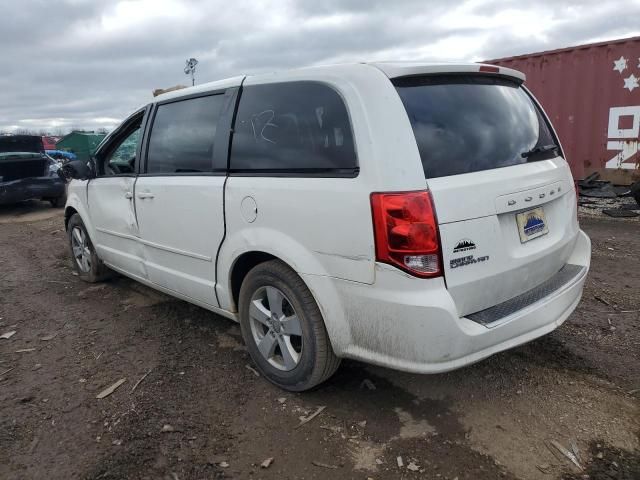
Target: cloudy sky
{"points": [[89, 63]]}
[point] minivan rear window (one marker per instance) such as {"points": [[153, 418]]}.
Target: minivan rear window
{"points": [[469, 123]]}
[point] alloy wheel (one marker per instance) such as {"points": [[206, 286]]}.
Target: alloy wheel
{"points": [[81, 250], [276, 328]]}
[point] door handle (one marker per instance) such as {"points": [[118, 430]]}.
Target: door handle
{"points": [[128, 195], [144, 195]]}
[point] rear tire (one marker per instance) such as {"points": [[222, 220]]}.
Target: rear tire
{"points": [[295, 356], [85, 259]]}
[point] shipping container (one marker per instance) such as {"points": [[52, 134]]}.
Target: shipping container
{"points": [[82, 144], [592, 95]]}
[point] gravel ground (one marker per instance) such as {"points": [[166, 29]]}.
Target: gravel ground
{"points": [[199, 411]]}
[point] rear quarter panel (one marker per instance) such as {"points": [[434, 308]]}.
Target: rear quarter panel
{"points": [[318, 226]]}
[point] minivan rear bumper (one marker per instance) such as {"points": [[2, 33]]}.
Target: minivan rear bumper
{"points": [[411, 324]]}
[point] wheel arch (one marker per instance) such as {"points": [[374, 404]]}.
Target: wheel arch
{"points": [[241, 266], [68, 213]]}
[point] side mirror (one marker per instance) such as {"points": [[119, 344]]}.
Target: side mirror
{"points": [[77, 170]]}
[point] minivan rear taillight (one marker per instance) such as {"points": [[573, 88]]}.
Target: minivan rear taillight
{"points": [[406, 232]]}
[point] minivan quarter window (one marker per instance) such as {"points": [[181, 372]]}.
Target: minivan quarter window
{"points": [[183, 135], [292, 127]]}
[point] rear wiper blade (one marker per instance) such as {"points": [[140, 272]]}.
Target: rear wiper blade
{"points": [[538, 150]]}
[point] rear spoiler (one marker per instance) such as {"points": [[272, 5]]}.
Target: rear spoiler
{"points": [[412, 69]]}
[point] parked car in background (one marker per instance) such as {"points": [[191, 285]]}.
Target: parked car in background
{"points": [[416, 216], [27, 172]]}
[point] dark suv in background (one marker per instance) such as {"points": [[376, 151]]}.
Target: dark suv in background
{"points": [[27, 172]]}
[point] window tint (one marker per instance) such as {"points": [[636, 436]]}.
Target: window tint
{"points": [[183, 134], [295, 127], [470, 123]]}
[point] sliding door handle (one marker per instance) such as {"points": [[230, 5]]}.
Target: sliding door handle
{"points": [[143, 195]]}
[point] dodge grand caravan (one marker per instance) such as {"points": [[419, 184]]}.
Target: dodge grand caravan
{"points": [[415, 216]]}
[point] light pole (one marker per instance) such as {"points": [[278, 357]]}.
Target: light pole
{"points": [[190, 69]]}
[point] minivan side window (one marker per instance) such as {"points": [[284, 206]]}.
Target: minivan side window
{"points": [[293, 128], [122, 159], [182, 136], [118, 155]]}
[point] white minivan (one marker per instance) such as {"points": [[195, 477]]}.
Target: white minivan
{"points": [[416, 216]]}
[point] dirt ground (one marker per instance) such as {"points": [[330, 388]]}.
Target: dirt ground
{"points": [[200, 412]]}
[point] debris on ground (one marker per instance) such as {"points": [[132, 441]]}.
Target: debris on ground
{"points": [[223, 464], [603, 190], [109, 390], [602, 300], [267, 463], [575, 451], [282, 400], [399, 462], [8, 335], [252, 370], [324, 465], [34, 444], [544, 468], [6, 371], [599, 196], [140, 381], [166, 428], [307, 419], [26, 350], [620, 213], [46, 338], [556, 448], [413, 467]]}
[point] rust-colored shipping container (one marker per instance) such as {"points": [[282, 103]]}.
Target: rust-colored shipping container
{"points": [[592, 95]]}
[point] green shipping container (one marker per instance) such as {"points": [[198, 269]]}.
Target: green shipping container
{"points": [[83, 144]]}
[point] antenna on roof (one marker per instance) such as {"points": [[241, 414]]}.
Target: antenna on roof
{"points": [[190, 69]]}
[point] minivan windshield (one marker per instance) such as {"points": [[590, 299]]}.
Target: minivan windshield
{"points": [[468, 123]]}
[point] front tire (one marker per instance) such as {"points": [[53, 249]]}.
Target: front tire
{"points": [[283, 328], [85, 260]]}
